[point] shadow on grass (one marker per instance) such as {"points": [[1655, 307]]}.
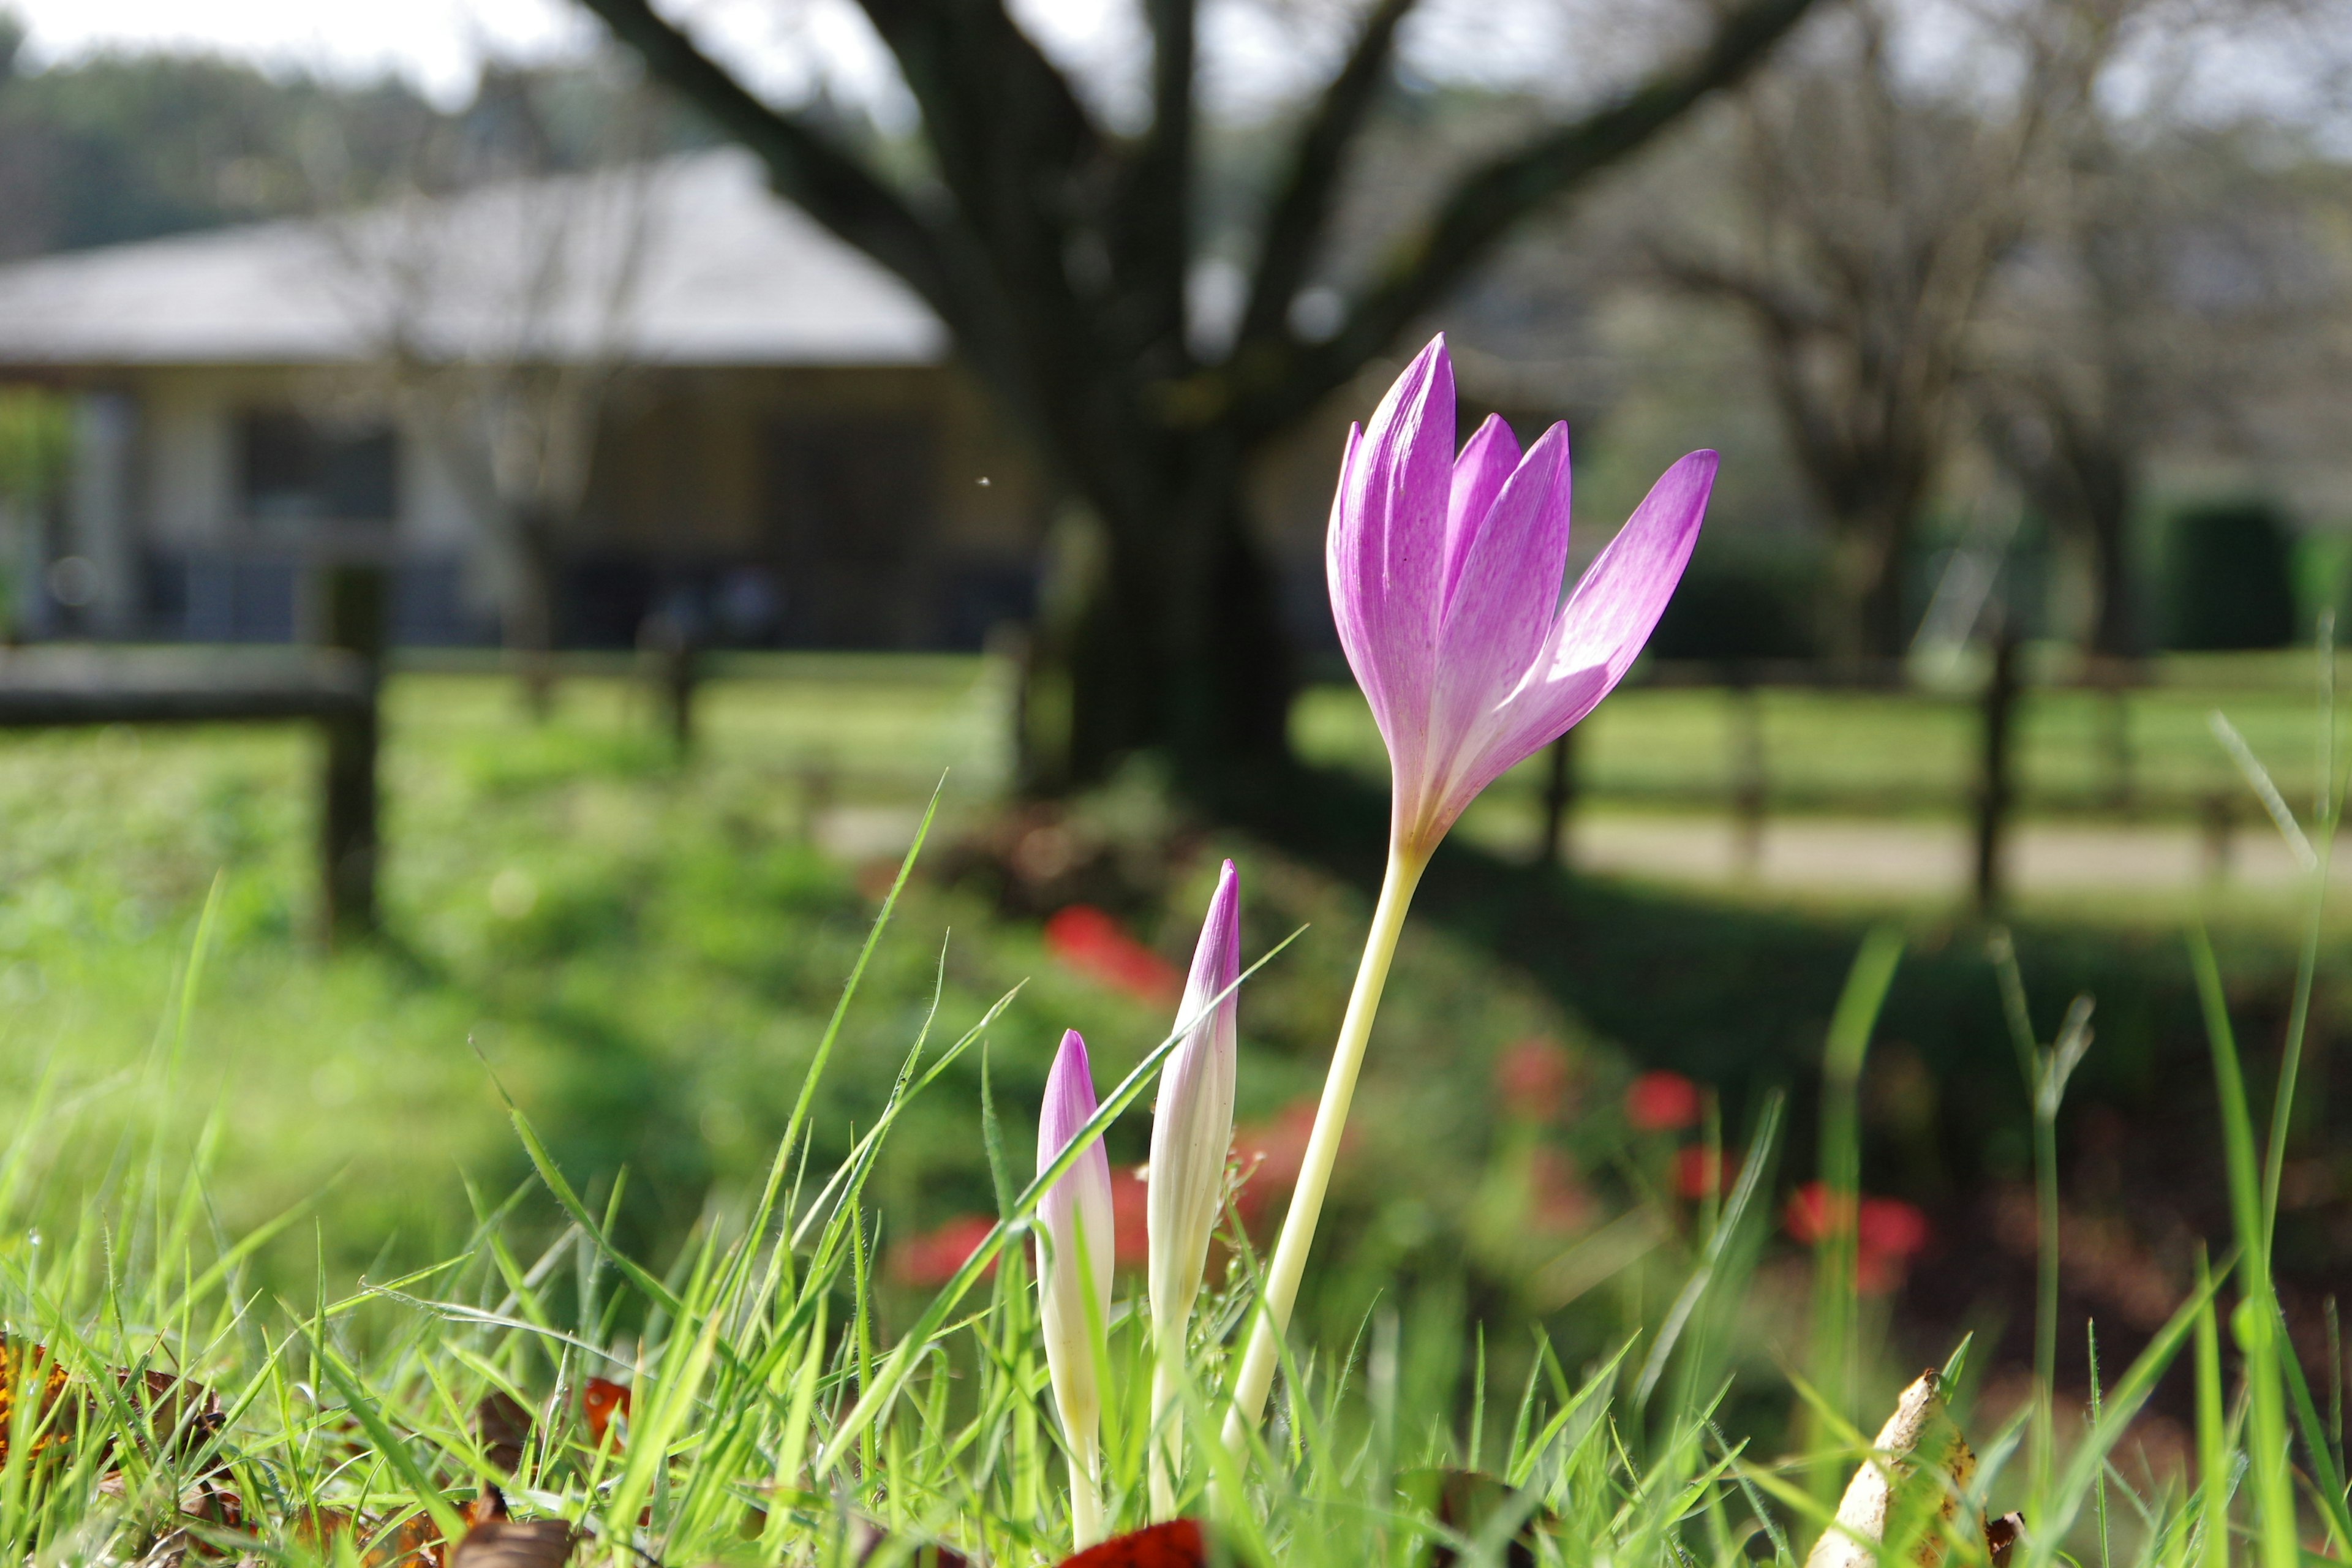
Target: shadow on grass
{"points": [[1739, 996], [613, 1107]]}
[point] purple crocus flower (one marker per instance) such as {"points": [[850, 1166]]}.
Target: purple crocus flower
{"points": [[1192, 1133], [1070, 1271], [1446, 576], [1445, 582]]}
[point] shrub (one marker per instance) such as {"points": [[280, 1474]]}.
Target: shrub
{"points": [[1743, 600], [2230, 579]]}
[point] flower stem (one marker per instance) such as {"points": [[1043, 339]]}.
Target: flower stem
{"points": [[1322, 1148], [1167, 1435], [1086, 1494]]}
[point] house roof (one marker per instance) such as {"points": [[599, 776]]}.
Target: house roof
{"points": [[691, 261]]}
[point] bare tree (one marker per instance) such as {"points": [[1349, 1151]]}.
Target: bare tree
{"points": [[2169, 286], [500, 315], [1870, 204], [1058, 249]]}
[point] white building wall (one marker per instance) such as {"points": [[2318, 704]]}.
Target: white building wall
{"points": [[101, 528], [190, 469], [434, 510]]}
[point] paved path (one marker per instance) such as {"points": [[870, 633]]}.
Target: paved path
{"points": [[1830, 855], [1860, 856]]}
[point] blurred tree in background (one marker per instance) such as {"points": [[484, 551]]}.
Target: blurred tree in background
{"points": [[1060, 248], [125, 146], [122, 147], [1864, 216]]}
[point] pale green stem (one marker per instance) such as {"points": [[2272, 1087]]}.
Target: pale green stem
{"points": [[1282, 1275], [1085, 1492], [1167, 1435]]}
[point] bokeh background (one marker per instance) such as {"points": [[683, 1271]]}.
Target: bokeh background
{"points": [[677, 536]]}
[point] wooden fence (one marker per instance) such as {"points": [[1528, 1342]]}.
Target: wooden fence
{"points": [[1992, 793], [333, 685]]}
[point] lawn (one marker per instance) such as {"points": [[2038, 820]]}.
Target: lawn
{"points": [[641, 955], [1878, 754]]}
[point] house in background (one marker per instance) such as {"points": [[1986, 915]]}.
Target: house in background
{"points": [[786, 452]]}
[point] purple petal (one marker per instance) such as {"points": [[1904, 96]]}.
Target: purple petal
{"points": [[1084, 1191], [1503, 610], [1388, 547], [1479, 473], [1594, 639], [1617, 605], [1192, 1120], [1343, 551]]}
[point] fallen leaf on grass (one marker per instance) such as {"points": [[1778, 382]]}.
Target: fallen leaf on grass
{"points": [[600, 1400], [17, 1359], [1178, 1544], [503, 1427], [183, 1414], [1905, 1500], [1464, 1501], [515, 1543], [2001, 1534]]}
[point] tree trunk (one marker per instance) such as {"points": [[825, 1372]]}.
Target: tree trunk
{"points": [[2103, 479], [1161, 631], [1872, 618]]}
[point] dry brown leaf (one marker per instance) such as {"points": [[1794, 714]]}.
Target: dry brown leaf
{"points": [[502, 1427], [515, 1543], [601, 1400], [1906, 1495]]}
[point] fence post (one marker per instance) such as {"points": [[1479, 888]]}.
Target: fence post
{"points": [[2117, 678], [2215, 820], [675, 668], [353, 616], [1993, 788], [1558, 796]]}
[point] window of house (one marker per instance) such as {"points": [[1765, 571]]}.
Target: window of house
{"points": [[294, 469]]}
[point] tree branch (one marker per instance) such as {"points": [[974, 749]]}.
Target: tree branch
{"points": [[1005, 127], [821, 178], [1777, 307], [1152, 219], [1300, 214], [1424, 267]]}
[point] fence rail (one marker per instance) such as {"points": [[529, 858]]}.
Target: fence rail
{"points": [[333, 685], [1990, 792]]}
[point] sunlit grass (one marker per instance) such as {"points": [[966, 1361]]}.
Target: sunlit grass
{"points": [[782, 1408]]}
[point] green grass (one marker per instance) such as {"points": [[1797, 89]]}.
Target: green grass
{"points": [[781, 1397], [1872, 754], [645, 957]]}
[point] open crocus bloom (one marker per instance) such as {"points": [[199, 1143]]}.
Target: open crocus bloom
{"points": [[1445, 577]]}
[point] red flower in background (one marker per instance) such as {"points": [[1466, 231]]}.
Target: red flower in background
{"points": [[1891, 1227], [1807, 1217], [1887, 1232], [1699, 1170], [1558, 1203], [928, 1261], [1662, 1101], [1093, 942], [1532, 1079]]}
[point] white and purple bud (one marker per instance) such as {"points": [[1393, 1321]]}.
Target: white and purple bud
{"points": [[1192, 1131], [1074, 1269]]}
